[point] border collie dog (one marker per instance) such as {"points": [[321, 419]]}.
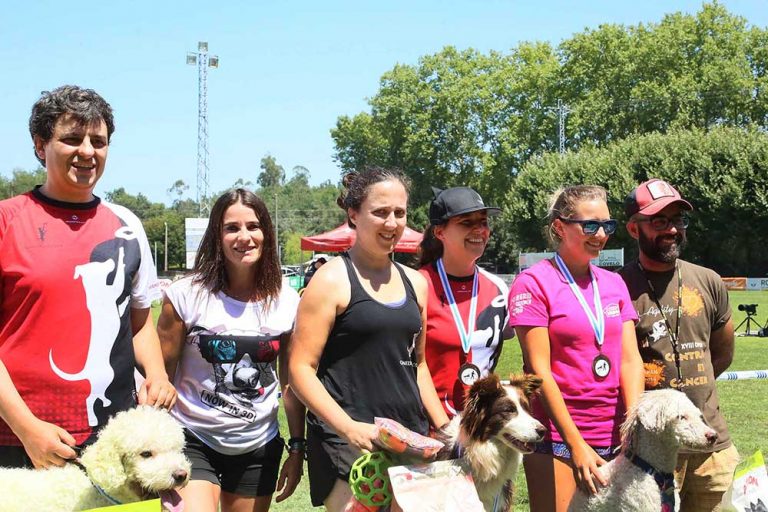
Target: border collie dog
{"points": [[492, 434]]}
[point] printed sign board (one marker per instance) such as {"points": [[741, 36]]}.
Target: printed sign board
{"points": [[609, 258], [757, 283], [735, 283], [194, 229]]}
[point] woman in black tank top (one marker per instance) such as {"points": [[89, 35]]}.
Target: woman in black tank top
{"points": [[358, 346]]}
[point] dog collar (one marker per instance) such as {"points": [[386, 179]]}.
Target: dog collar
{"points": [[96, 486], [665, 481]]}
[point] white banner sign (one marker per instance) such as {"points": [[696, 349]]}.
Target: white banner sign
{"points": [[193, 233], [613, 258], [757, 283]]}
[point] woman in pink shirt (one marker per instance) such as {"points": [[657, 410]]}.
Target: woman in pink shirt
{"points": [[575, 322]]}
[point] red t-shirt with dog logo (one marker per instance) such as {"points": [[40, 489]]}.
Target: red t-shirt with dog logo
{"points": [[69, 274], [444, 353]]}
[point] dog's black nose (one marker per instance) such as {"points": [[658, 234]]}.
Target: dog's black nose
{"points": [[540, 431], [711, 437], [179, 476]]}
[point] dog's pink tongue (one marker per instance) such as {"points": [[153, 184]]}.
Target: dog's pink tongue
{"points": [[171, 501]]}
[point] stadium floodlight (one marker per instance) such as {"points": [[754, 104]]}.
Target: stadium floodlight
{"points": [[203, 61]]}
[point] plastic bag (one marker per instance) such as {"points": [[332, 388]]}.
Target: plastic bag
{"points": [[397, 439], [444, 486], [749, 490]]}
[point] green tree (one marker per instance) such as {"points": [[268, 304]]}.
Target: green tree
{"points": [[177, 190], [138, 204], [154, 217], [155, 228], [723, 172], [300, 176], [272, 174], [291, 249], [687, 71], [21, 181], [301, 210], [468, 118]]}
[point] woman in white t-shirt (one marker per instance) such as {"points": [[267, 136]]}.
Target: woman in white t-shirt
{"points": [[222, 329]]}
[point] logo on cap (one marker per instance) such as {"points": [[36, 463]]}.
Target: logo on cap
{"points": [[659, 189]]}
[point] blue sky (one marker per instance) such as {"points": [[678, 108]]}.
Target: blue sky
{"points": [[287, 70]]}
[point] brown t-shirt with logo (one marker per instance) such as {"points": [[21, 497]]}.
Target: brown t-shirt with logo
{"points": [[705, 309]]}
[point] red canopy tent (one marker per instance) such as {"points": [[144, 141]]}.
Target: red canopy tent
{"points": [[341, 238]]}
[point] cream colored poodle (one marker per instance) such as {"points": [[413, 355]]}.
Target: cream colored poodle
{"points": [[640, 479], [137, 456]]}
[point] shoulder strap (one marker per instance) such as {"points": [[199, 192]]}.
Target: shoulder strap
{"points": [[409, 290], [355, 287]]}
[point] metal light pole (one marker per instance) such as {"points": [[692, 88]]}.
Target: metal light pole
{"points": [[203, 62], [277, 232], [562, 111], [165, 267]]}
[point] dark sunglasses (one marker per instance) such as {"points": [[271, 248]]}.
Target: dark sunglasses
{"points": [[590, 227], [662, 223]]}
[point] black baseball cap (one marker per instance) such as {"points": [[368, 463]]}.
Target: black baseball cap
{"points": [[456, 201]]}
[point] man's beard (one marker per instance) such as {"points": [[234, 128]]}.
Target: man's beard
{"points": [[654, 250]]}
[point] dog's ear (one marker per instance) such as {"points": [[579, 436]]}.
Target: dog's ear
{"points": [[489, 386], [649, 413], [530, 384], [103, 459], [653, 410], [629, 427], [478, 405]]}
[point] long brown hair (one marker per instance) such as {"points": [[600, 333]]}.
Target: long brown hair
{"points": [[210, 270], [430, 248]]}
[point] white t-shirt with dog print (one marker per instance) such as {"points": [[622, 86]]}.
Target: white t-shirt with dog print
{"points": [[227, 374]]}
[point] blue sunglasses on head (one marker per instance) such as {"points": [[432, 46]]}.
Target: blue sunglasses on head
{"points": [[590, 227]]}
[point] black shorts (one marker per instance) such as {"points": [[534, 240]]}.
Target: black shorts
{"points": [[14, 457], [249, 474], [329, 458]]}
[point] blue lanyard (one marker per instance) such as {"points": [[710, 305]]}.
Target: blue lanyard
{"points": [[465, 336], [597, 322]]}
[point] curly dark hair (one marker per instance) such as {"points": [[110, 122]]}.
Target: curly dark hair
{"points": [[358, 184], [210, 270], [85, 105]]}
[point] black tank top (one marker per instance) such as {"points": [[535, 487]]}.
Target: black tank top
{"points": [[369, 362]]}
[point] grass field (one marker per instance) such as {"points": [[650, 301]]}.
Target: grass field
{"points": [[742, 402]]}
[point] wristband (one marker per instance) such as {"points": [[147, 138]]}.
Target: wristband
{"points": [[296, 445]]}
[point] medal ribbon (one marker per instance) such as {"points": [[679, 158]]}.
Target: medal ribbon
{"points": [[597, 322], [465, 336]]}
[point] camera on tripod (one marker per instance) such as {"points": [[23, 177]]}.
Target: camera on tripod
{"points": [[749, 309]]}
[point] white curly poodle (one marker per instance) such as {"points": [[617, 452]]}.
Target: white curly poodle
{"points": [[137, 456], [641, 478]]}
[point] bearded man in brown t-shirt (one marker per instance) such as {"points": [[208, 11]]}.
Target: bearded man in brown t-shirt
{"points": [[684, 332]]}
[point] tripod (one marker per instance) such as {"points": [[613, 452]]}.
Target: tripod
{"points": [[750, 321]]}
